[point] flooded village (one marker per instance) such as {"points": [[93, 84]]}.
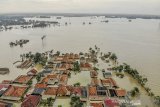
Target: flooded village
{"points": [[57, 79]]}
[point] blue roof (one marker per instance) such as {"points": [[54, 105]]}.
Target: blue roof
{"points": [[47, 71], [38, 91]]}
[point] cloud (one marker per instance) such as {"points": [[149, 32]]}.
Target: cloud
{"points": [[82, 6]]}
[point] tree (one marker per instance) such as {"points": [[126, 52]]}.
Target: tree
{"points": [[37, 58], [50, 101], [76, 66], [113, 57], [77, 84], [30, 83], [38, 77]]}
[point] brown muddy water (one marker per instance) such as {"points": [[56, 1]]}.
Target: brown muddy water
{"points": [[136, 43]]}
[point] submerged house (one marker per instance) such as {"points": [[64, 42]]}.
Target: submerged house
{"points": [[120, 92], [92, 91], [107, 74], [93, 74], [14, 93], [63, 91], [51, 79], [50, 92], [63, 79], [5, 104], [23, 79], [96, 104], [32, 72], [85, 66], [31, 101], [3, 88], [94, 82], [38, 91], [109, 82]]}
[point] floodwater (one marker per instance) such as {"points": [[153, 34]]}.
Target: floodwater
{"points": [[136, 43]]}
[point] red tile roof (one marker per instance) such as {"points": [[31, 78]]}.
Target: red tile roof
{"points": [[120, 92], [31, 101], [40, 85], [98, 104], [111, 103], [62, 90], [85, 65], [94, 74], [51, 91], [32, 71], [15, 91], [23, 79], [92, 91], [95, 81]]}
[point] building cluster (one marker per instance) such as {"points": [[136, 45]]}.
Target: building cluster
{"points": [[53, 83]]}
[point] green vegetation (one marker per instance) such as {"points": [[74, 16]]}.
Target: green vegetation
{"points": [[157, 100], [38, 78], [47, 103], [134, 92], [76, 66], [30, 83], [113, 57], [75, 102], [77, 84], [95, 68]]}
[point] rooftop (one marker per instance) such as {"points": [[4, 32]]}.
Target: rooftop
{"points": [[51, 91], [31, 101], [96, 104], [15, 91], [92, 90], [23, 79]]}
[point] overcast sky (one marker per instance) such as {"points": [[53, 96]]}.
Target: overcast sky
{"points": [[81, 6]]}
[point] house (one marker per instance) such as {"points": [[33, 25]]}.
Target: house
{"points": [[82, 60], [63, 79], [63, 90], [109, 82], [93, 74], [84, 94], [64, 67], [106, 82], [94, 81], [23, 79], [107, 74], [120, 92], [50, 92], [85, 66], [3, 88], [92, 90], [77, 91], [112, 93], [96, 104], [38, 91], [7, 81], [32, 72], [111, 102], [5, 104], [14, 93], [51, 79], [102, 92], [31, 101], [41, 85], [114, 84], [46, 71], [58, 58]]}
